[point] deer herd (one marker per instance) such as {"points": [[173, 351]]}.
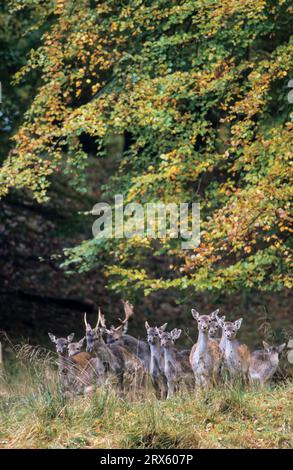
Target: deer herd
{"points": [[111, 353]]}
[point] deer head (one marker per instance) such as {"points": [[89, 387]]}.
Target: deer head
{"points": [[273, 351], [61, 343], [76, 347], [230, 328], [93, 335], [168, 338], [204, 321], [153, 333], [213, 329]]}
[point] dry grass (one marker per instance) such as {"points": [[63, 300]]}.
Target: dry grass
{"points": [[33, 414]]}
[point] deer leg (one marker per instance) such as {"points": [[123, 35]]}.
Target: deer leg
{"points": [[171, 389], [156, 385], [164, 389]]}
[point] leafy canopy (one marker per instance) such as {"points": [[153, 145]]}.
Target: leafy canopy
{"points": [[199, 91]]}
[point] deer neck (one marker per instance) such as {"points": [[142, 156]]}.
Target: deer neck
{"points": [[231, 348], [99, 345], [202, 342], [170, 355], [223, 341], [157, 355]]}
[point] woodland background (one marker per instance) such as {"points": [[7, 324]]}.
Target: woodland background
{"points": [[159, 101]]}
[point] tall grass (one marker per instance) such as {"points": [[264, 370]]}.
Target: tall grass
{"points": [[33, 413]]}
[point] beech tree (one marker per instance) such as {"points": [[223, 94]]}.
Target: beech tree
{"points": [[198, 91]]}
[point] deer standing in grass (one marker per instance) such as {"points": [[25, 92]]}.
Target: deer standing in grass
{"points": [[205, 356], [106, 362], [157, 369], [114, 357], [135, 346], [236, 355], [176, 365], [264, 363], [76, 371]]}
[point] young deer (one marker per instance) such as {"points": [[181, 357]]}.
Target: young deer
{"points": [[205, 356], [213, 330], [264, 363], [75, 372], [75, 347], [135, 346], [157, 369], [236, 355], [176, 366]]}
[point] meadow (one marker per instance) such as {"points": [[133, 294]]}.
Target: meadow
{"points": [[33, 413]]}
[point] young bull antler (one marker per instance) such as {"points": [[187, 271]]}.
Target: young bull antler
{"points": [[101, 320], [87, 325]]}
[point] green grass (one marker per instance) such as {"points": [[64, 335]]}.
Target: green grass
{"points": [[33, 414]]}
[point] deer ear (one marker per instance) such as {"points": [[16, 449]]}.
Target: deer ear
{"points": [[52, 337], [281, 347], [146, 324], [70, 337], [214, 314], [195, 314], [237, 323], [175, 334], [221, 320], [163, 327], [81, 341], [266, 345]]}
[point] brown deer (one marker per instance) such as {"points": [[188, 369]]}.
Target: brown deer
{"points": [[76, 372]]}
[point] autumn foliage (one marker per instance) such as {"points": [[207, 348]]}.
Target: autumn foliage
{"points": [[199, 92]]}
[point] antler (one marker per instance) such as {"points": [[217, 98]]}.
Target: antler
{"points": [[99, 319], [103, 320], [87, 325], [128, 311]]}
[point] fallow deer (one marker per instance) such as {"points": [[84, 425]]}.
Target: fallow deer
{"points": [[264, 363], [236, 355], [176, 366], [214, 330], [131, 365], [222, 343], [135, 346], [114, 357], [75, 347], [76, 373], [106, 361], [205, 356], [157, 369]]}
